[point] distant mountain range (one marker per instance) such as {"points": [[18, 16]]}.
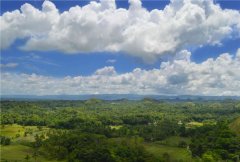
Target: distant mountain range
{"points": [[118, 97]]}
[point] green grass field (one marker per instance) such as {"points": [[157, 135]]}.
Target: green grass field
{"points": [[170, 146], [235, 126], [116, 127], [17, 151], [14, 129], [173, 141], [176, 153], [194, 124]]}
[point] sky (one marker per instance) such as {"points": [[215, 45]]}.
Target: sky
{"points": [[177, 47]]}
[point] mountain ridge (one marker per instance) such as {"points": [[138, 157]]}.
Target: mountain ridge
{"points": [[117, 97]]}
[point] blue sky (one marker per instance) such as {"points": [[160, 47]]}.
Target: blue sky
{"points": [[59, 63]]}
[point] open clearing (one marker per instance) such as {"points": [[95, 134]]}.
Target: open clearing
{"points": [[176, 153]]}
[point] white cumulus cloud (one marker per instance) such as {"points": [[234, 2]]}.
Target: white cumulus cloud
{"points": [[9, 65], [111, 61], [101, 26], [220, 76], [108, 70]]}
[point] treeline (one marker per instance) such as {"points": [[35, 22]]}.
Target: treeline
{"points": [[49, 113]]}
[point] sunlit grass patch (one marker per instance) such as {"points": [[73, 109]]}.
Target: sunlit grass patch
{"points": [[175, 153], [116, 127]]}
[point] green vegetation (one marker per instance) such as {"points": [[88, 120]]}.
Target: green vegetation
{"points": [[235, 126], [17, 152], [218, 142], [116, 131], [169, 153]]}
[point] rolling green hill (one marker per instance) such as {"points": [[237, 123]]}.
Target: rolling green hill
{"points": [[235, 126]]}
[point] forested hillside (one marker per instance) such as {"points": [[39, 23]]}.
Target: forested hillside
{"points": [[235, 126]]}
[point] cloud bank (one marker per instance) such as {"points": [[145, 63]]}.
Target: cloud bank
{"points": [[101, 26], [218, 76]]}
